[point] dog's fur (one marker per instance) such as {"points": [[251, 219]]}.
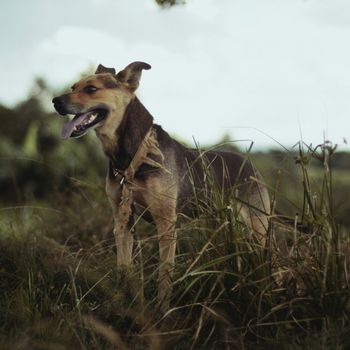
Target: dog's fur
{"points": [[164, 191]]}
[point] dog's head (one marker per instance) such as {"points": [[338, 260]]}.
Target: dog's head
{"points": [[100, 100]]}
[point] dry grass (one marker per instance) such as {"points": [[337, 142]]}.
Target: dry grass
{"points": [[60, 287]]}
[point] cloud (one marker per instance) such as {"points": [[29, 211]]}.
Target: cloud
{"points": [[216, 66], [335, 13], [72, 49]]}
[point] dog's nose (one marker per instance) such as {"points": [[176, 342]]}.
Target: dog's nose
{"points": [[56, 100], [58, 103]]}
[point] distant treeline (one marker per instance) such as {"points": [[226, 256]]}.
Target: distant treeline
{"points": [[35, 162]]}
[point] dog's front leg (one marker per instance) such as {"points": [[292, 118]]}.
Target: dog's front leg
{"points": [[165, 219], [123, 237]]}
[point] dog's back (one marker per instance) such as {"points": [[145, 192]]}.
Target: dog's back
{"points": [[199, 173]]}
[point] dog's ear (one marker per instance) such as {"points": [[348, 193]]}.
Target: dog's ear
{"points": [[130, 75], [102, 69]]}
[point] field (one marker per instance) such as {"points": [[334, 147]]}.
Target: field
{"points": [[61, 289]]}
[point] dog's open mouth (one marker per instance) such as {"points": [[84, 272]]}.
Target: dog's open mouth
{"points": [[80, 124]]}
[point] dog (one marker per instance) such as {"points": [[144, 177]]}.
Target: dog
{"points": [[150, 170]]}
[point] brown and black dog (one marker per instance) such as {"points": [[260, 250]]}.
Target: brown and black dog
{"points": [[155, 167]]}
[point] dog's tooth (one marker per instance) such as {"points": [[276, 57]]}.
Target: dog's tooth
{"points": [[92, 117]]}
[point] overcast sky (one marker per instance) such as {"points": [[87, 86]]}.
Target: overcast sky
{"points": [[256, 69]]}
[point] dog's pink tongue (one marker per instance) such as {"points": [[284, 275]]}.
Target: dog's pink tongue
{"points": [[68, 127]]}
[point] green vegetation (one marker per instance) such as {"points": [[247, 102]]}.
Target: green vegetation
{"points": [[169, 3], [60, 287]]}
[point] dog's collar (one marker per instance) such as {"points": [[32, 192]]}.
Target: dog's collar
{"points": [[117, 173]]}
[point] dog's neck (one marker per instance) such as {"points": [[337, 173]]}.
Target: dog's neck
{"points": [[135, 124]]}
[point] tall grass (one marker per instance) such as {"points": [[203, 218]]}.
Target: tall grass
{"points": [[61, 289]]}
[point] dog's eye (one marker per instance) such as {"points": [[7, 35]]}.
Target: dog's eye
{"points": [[90, 89]]}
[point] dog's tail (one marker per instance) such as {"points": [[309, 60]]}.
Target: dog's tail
{"points": [[291, 222]]}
